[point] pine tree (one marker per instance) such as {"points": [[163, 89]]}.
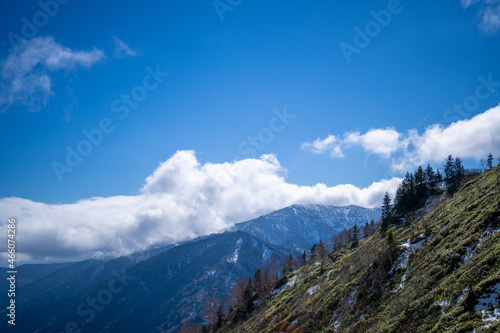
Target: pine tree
{"points": [[430, 175], [373, 227], [454, 172], [459, 168], [448, 169], [220, 317], [366, 230], [490, 161], [386, 205], [439, 176], [304, 259], [320, 250], [420, 177], [355, 236], [386, 214]]}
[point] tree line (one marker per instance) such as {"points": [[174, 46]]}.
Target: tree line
{"points": [[412, 194]]}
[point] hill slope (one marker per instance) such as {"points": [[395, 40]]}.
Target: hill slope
{"points": [[441, 274]]}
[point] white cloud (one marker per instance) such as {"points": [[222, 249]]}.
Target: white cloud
{"points": [[180, 200], [472, 138], [26, 72], [331, 144], [122, 50], [488, 12], [382, 142]]}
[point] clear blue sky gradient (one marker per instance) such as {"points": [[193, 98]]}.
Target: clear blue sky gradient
{"points": [[226, 77]]}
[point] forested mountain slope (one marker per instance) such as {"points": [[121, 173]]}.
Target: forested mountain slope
{"points": [[437, 271]]}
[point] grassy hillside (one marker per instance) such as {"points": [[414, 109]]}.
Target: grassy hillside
{"points": [[441, 273]]}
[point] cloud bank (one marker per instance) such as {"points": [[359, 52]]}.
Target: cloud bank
{"points": [[26, 72], [182, 199], [472, 138]]}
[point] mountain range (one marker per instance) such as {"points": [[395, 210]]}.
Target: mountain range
{"points": [[160, 289]]}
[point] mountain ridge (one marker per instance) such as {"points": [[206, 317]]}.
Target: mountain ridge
{"points": [[306, 224]]}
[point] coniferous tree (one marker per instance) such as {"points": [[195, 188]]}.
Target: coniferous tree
{"points": [[313, 252], [420, 177], [454, 172], [373, 227], [421, 189], [384, 225], [489, 162], [366, 230], [386, 205], [386, 214], [288, 265], [448, 169], [430, 174], [320, 250], [355, 236], [220, 317], [439, 176], [459, 168]]}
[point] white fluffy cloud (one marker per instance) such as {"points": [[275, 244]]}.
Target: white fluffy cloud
{"points": [[122, 50], [331, 145], [182, 199], [472, 138], [26, 72], [382, 142], [489, 13]]}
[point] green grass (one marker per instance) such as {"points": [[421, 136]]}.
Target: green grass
{"points": [[359, 295]]}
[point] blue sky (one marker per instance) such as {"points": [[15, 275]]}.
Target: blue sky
{"points": [[234, 71]]}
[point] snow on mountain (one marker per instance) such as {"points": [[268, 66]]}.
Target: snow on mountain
{"points": [[298, 227]]}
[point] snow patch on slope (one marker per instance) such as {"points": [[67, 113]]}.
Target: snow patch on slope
{"points": [[487, 302]]}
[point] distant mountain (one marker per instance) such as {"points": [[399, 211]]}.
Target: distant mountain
{"points": [[28, 273], [41, 283], [298, 227], [157, 294], [171, 285]]}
